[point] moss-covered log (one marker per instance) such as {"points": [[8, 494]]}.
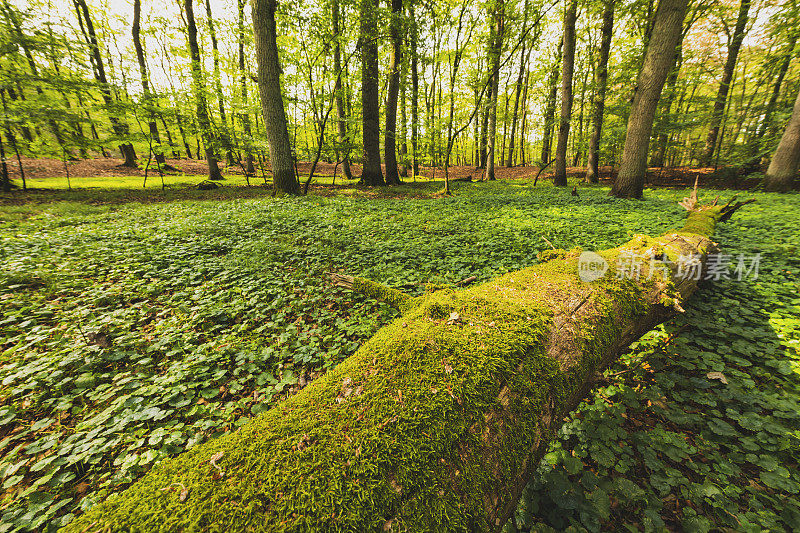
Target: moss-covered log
{"points": [[436, 422]]}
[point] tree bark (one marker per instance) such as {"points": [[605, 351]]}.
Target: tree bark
{"points": [[669, 97], [404, 166], [200, 94], [725, 83], [269, 85], [390, 142], [550, 105], [601, 82], [414, 92], [658, 61], [371, 173], [567, 69], [5, 180], [341, 114], [495, 50], [223, 129], [783, 167], [244, 117], [148, 97], [119, 127], [523, 62], [755, 147], [437, 422]]}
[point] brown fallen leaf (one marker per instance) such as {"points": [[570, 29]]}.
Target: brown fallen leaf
{"points": [[717, 375]]}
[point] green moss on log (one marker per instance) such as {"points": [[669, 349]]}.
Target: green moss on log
{"points": [[434, 424]]}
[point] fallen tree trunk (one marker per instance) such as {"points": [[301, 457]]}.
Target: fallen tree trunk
{"points": [[437, 422]]}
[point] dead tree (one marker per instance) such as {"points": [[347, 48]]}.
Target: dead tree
{"points": [[437, 422]]}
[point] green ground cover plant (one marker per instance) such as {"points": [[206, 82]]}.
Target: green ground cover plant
{"points": [[132, 332]]}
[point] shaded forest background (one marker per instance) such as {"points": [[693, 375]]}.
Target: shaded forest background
{"points": [[458, 83]]}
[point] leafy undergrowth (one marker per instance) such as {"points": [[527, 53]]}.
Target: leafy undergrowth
{"points": [[132, 332]]}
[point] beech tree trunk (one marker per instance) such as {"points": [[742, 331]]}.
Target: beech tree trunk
{"points": [[204, 122], [244, 117], [495, 50], [371, 173], [120, 127], [550, 106], [725, 83], [783, 167], [269, 85], [669, 97], [390, 137], [414, 92], [754, 144], [437, 422], [658, 61], [223, 128], [567, 69], [148, 97], [523, 62], [600, 82], [5, 180], [341, 114]]}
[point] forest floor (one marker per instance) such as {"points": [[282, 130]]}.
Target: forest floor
{"points": [[45, 177], [131, 332]]}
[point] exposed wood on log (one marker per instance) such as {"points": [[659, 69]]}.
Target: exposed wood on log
{"points": [[437, 422]]}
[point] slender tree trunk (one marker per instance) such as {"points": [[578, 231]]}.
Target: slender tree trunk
{"points": [[341, 122], [506, 100], [755, 144], [224, 134], [414, 93], [495, 50], [725, 83], [485, 125], [390, 142], [550, 105], [269, 84], [783, 167], [244, 117], [403, 123], [658, 61], [371, 173], [567, 69], [661, 123], [203, 120], [601, 82], [119, 126], [148, 97], [175, 153], [523, 62], [5, 180], [523, 129]]}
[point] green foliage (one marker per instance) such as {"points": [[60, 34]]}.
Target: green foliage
{"points": [[672, 445], [131, 333]]}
